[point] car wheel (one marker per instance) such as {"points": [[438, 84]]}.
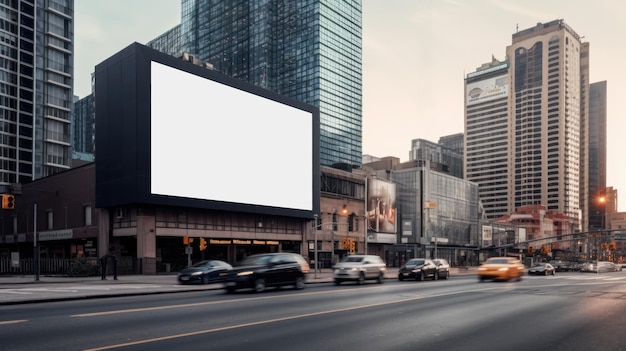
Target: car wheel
{"points": [[259, 285], [299, 283], [400, 277], [447, 275], [421, 276], [230, 289], [205, 279], [553, 272], [381, 278], [436, 275], [337, 282], [361, 278]]}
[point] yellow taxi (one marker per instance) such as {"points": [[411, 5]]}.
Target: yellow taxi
{"points": [[501, 268]]}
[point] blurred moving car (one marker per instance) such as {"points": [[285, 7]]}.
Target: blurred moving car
{"points": [[418, 269], [204, 272], [260, 271], [501, 268], [542, 268], [360, 268], [598, 267], [618, 267], [443, 268]]}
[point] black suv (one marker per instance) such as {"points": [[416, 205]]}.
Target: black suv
{"points": [[260, 271]]}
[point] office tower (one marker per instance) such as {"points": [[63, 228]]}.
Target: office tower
{"points": [[453, 141], [83, 126], [36, 97], [547, 74], [442, 159], [308, 50], [598, 194], [486, 130]]}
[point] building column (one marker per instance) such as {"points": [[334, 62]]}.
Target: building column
{"points": [[146, 243]]}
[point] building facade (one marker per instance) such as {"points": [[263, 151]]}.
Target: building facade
{"points": [[597, 209], [38, 46], [83, 126], [546, 134], [434, 207], [487, 141], [307, 50], [446, 159]]}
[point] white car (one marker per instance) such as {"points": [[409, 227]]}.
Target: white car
{"points": [[359, 268]]}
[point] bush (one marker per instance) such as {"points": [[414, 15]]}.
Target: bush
{"points": [[83, 267]]}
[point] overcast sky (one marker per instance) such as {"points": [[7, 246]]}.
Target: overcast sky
{"points": [[416, 54]]}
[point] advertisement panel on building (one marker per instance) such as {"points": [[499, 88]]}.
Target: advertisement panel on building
{"points": [[487, 90], [381, 206]]}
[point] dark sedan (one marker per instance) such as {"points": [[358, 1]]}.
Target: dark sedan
{"points": [[419, 269], [204, 272]]}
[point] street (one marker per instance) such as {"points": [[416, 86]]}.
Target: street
{"points": [[570, 311]]}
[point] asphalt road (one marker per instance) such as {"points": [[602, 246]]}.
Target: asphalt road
{"points": [[571, 311]]}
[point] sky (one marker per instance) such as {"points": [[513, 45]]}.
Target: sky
{"points": [[416, 54]]}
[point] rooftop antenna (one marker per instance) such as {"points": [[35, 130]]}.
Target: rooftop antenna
{"points": [[516, 27]]}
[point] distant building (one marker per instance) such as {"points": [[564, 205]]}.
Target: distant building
{"points": [[486, 157], [442, 158], [453, 141], [84, 126], [528, 126], [596, 209]]}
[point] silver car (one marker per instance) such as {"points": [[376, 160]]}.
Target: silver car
{"points": [[359, 268]]}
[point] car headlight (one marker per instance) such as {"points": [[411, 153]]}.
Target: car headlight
{"points": [[196, 273], [244, 273], [417, 270], [503, 269]]}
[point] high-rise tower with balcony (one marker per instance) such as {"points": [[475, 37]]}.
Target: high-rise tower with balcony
{"points": [[36, 95], [308, 50]]}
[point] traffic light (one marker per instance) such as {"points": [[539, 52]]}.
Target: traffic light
{"points": [[187, 240], [202, 244], [345, 243], [531, 249], [352, 246], [8, 201], [612, 246]]}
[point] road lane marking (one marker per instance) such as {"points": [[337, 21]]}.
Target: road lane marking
{"points": [[281, 319], [145, 309], [13, 322]]}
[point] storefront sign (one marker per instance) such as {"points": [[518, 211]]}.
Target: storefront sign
{"points": [[241, 242], [56, 235]]}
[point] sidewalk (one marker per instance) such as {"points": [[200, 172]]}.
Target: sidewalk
{"points": [[18, 289]]}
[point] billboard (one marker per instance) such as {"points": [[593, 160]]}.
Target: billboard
{"points": [[487, 90], [381, 206], [174, 133]]}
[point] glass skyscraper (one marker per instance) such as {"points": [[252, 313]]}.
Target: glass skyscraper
{"points": [[309, 50], [36, 62]]}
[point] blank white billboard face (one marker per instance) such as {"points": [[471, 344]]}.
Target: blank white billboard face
{"points": [[214, 142]]}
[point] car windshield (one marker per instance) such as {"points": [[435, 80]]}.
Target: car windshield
{"points": [[539, 264], [415, 262], [497, 261], [353, 259], [252, 260], [201, 264]]}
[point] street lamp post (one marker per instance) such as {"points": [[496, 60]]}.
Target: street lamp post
{"points": [[315, 248]]}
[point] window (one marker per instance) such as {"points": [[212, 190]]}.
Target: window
{"points": [[50, 216], [87, 210]]}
